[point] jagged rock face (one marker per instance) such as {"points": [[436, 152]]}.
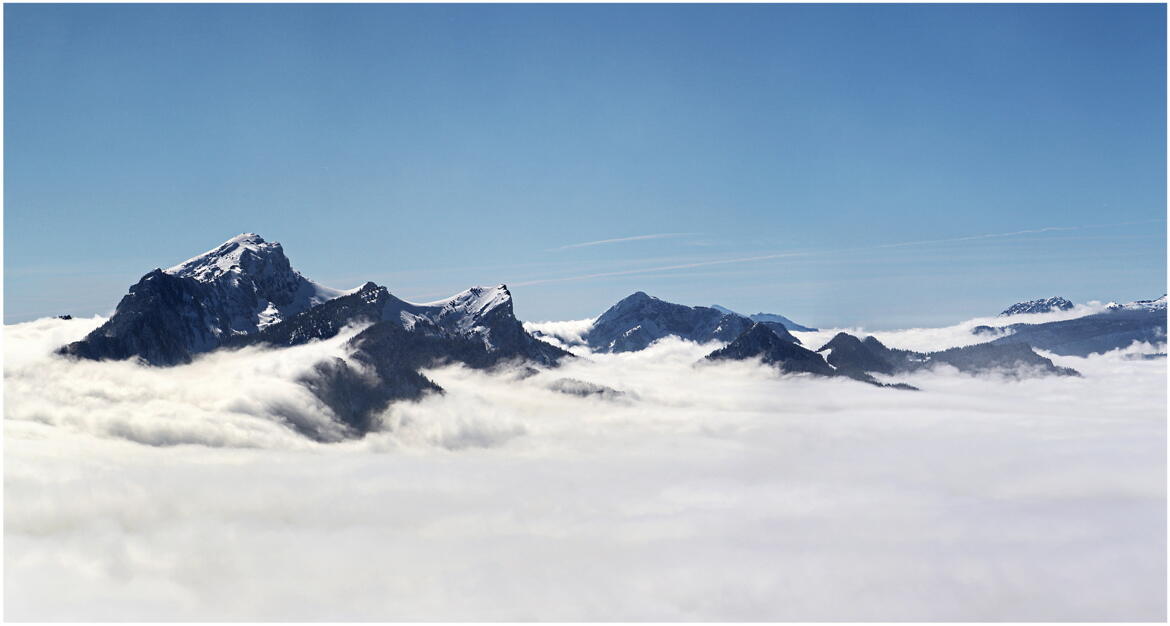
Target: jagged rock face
{"points": [[1100, 332], [253, 283], [164, 320], [245, 292], [476, 328], [768, 317], [760, 341], [369, 304], [385, 360], [238, 288], [483, 315], [639, 320], [1038, 306], [486, 313], [851, 355]]}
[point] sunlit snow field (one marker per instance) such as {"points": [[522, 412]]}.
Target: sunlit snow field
{"points": [[716, 492]]}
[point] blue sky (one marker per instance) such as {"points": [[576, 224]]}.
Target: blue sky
{"points": [[891, 166]]}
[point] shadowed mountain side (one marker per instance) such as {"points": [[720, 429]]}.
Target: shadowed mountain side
{"points": [[639, 320], [852, 355], [384, 365], [1082, 336], [356, 396], [762, 342], [385, 359], [164, 320], [493, 326], [235, 289], [768, 317]]}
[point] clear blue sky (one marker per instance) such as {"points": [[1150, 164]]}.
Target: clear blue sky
{"points": [[432, 147]]}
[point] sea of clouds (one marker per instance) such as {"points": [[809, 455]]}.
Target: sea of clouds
{"points": [[686, 492]]}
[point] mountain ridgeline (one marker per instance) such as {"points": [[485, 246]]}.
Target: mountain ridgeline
{"points": [[170, 315], [639, 320], [245, 293], [1044, 305], [769, 317], [1118, 326]]}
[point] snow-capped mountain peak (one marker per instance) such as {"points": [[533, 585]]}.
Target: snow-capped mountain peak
{"points": [[1140, 305], [248, 262], [243, 285], [475, 310], [477, 300], [243, 252], [1042, 305]]}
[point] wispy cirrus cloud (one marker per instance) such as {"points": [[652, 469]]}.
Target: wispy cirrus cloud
{"points": [[600, 242], [659, 268], [803, 253], [1015, 233]]}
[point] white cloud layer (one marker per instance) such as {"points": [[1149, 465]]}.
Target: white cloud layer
{"points": [[711, 492]]}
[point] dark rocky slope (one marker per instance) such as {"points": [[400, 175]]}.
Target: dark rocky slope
{"points": [[169, 316], [852, 355], [639, 320], [761, 341]]}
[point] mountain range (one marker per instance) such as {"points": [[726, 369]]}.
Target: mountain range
{"points": [[769, 317], [246, 293], [1118, 326]]}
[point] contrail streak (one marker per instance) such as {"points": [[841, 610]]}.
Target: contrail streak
{"points": [[620, 239], [647, 270], [781, 255]]}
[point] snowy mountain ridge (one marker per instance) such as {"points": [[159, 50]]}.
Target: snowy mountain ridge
{"points": [[255, 280], [1042, 305], [247, 285], [1158, 304]]}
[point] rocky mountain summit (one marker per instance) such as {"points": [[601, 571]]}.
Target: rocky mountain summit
{"points": [[860, 359], [761, 341], [482, 316], [849, 354], [1043, 305], [245, 292], [1117, 327], [1158, 304], [237, 288], [639, 320]]}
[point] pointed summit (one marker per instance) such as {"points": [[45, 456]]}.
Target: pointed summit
{"points": [[242, 252], [761, 341], [242, 285], [639, 320], [851, 355]]}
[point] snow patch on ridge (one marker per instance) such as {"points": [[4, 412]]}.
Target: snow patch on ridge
{"points": [[247, 258]]}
